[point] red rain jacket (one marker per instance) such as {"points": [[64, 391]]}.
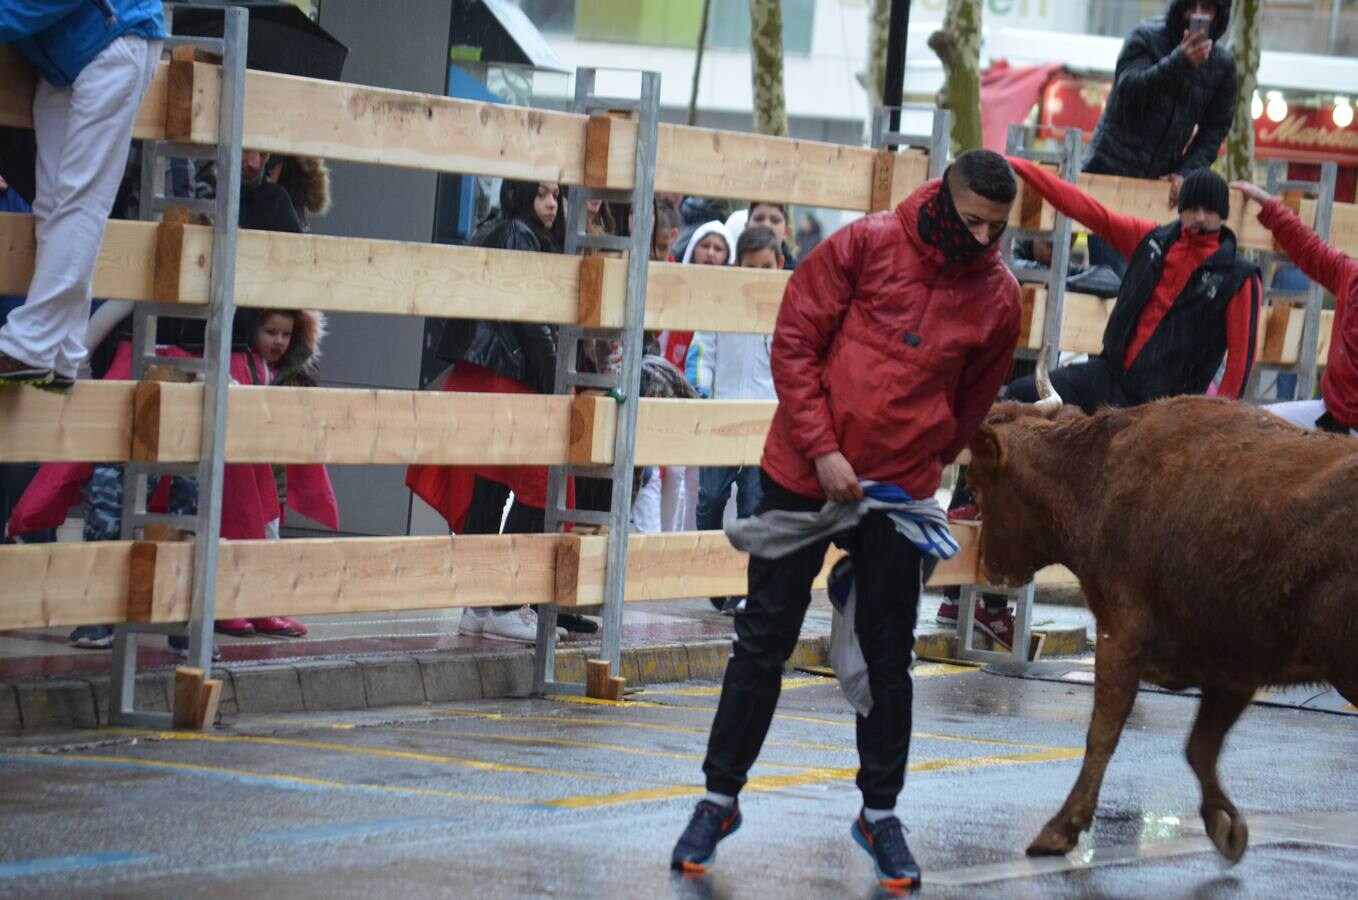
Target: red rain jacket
{"points": [[887, 353]]}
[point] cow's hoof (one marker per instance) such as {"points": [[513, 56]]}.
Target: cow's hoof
{"points": [[1055, 840], [1227, 829]]}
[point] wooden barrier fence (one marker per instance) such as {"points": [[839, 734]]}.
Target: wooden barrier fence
{"points": [[143, 581]]}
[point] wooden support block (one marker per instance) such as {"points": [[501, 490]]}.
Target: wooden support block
{"points": [[211, 697], [1036, 641], [158, 578], [883, 167], [169, 254], [146, 422], [1029, 207], [188, 697], [598, 137], [594, 427], [568, 570], [616, 686], [597, 675], [179, 92], [594, 308]]}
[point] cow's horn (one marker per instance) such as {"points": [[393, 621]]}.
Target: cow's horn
{"points": [[1048, 401]]}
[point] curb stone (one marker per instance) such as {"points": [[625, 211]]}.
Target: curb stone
{"points": [[405, 680]]}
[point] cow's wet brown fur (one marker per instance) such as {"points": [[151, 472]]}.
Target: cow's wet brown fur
{"points": [[1215, 545]]}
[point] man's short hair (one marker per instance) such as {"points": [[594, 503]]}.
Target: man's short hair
{"points": [[986, 173], [756, 238]]}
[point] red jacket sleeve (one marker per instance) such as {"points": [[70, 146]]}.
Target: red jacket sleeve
{"points": [[1321, 262], [814, 304], [1123, 232], [984, 373], [1242, 328]]}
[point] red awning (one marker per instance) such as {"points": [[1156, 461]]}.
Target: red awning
{"points": [[1008, 94]]}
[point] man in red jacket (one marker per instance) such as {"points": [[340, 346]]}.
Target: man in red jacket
{"points": [[1337, 410], [1186, 302], [892, 341]]}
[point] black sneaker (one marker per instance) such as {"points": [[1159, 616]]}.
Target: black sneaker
{"points": [[92, 637], [697, 846], [56, 384], [885, 843]]}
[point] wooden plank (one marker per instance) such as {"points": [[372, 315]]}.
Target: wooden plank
{"points": [[288, 425], [319, 576], [702, 432], [93, 423], [315, 117], [125, 268], [406, 278], [18, 80], [711, 298], [1083, 319], [211, 696], [57, 585]]}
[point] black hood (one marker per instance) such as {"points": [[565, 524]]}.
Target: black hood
{"points": [[1175, 25]]}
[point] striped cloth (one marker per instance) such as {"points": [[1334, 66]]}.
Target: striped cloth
{"points": [[778, 532]]}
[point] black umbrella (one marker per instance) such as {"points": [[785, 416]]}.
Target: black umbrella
{"points": [[282, 38]]}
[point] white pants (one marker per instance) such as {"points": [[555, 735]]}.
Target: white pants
{"points": [[679, 498], [1302, 413], [84, 134], [646, 505]]}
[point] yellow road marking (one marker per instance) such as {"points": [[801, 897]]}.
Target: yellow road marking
{"points": [[623, 723], [921, 670], [814, 775], [478, 764], [269, 776]]}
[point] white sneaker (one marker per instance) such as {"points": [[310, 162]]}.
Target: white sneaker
{"points": [[515, 625], [473, 621]]}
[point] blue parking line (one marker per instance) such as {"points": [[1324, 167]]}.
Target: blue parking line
{"points": [[29, 867], [349, 830]]}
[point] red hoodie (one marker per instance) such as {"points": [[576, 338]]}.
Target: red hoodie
{"points": [[1338, 274], [1185, 255]]}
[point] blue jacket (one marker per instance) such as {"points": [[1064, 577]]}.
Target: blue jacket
{"points": [[11, 202], [60, 37]]}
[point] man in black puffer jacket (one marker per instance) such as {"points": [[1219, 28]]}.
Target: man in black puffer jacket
{"points": [[1168, 82]]}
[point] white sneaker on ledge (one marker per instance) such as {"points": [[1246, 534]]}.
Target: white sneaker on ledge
{"points": [[514, 625], [473, 621]]}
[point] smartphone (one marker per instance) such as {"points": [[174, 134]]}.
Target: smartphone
{"points": [[1198, 24]]}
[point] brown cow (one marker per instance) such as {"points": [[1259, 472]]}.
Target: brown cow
{"points": [[1214, 544]]}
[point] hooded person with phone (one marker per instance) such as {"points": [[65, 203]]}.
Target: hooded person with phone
{"points": [[1171, 105]]}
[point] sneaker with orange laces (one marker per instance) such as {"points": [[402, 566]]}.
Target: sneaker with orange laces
{"points": [[998, 624], [697, 846]]}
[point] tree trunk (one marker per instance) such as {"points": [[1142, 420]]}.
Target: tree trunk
{"points": [[698, 64], [879, 20], [958, 46], [1245, 46], [766, 67]]}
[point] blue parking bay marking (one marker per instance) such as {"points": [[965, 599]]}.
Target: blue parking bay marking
{"points": [[29, 867]]}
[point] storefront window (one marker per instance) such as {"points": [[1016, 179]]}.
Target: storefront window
{"points": [[667, 23]]}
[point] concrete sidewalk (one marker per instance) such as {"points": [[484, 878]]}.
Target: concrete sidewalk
{"points": [[367, 661]]}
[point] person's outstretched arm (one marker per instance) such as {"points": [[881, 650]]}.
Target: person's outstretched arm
{"points": [[1321, 262], [1122, 232], [1242, 330]]}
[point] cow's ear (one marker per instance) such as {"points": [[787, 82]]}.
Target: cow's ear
{"points": [[987, 448]]}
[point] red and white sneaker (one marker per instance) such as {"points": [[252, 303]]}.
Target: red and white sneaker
{"points": [[969, 513], [947, 613], [999, 625], [279, 626]]}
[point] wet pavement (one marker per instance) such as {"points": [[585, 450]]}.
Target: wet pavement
{"points": [[560, 798]]}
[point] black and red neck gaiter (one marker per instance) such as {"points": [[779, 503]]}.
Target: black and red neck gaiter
{"points": [[941, 226]]}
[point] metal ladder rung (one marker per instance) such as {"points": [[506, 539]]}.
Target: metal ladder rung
{"points": [[175, 470], [611, 104], [187, 363], [208, 44], [593, 380], [603, 242], [207, 207], [173, 150], [171, 519], [584, 516]]}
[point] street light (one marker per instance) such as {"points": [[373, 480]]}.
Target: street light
{"points": [[1342, 113], [1276, 108]]}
